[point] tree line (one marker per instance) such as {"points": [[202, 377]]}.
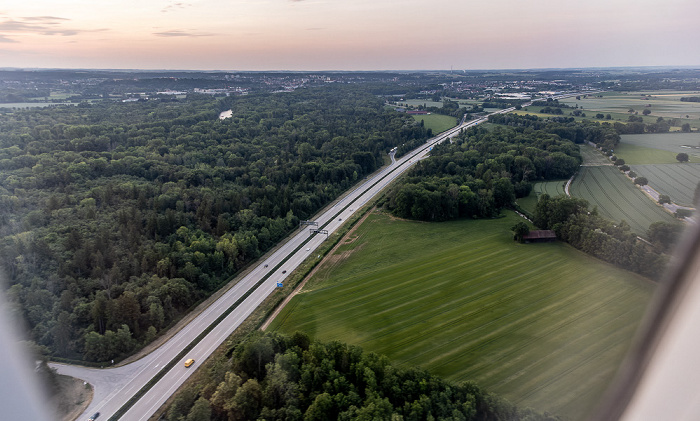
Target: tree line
{"points": [[116, 218], [274, 377], [573, 222], [480, 172]]}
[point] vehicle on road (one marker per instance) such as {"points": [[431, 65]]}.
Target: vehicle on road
{"points": [[94, 416], [308, 248], [266, 265], [189, 362], [284, 271]]}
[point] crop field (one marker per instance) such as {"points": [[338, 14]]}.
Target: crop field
{"points": [[665, 147], [666, 104], [675, 180], [640, 155], [18, 105], [617, 198], [552, 188], [592, 156], [438, 122], [543, 325]]}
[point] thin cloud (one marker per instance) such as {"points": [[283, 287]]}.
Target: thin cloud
{"points": [[51, 20], [42, 25], [315, 29], [178, 33], [5, 39], [176, 5]]}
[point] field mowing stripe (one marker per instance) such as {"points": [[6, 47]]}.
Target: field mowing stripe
{"points": [[474, 369], [498, 320], [541, 311], [617, 342], [475, 298], [571, 351], [354, 284], [437, 297]]}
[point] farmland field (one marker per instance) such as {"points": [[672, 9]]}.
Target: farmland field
{"points": [[675, 180], [617, 198], [592, 156], [33, 104], [552, 188], [671, 143], [438, 122], [535, 111], [666, 104], [542, 324]]}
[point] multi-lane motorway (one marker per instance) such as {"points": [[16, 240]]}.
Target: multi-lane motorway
{"points": [[114, 387]]}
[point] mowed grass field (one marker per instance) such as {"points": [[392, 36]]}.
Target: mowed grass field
{"points": [[617, 198], [675, 180], [541, 324], [438, 122]]}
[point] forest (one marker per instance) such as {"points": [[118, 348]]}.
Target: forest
{"points": [[116, 218], [274, 377], [480, 172]]}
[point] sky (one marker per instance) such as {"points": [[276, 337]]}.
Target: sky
{"points": [[348, 34]]}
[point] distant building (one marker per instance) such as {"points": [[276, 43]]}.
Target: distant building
{"points": [[416, 112], [540, 236]]}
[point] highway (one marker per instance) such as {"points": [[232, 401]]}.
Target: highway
{"points": [[113, 387]]}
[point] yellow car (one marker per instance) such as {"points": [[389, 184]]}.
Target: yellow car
{"points": [[189, 362]]}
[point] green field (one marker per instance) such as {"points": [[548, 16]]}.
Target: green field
{"points": [[592, 156], [541, 324], [32, 104], [675, 180], [419, 102], [666, 104], [658, 148], [438, 122], [617, 198], [552, 188]]}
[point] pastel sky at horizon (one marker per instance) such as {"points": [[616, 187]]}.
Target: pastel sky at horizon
{"points": [[348, 34]]}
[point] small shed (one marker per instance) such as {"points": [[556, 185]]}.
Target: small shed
{"points": [[540, 236]]}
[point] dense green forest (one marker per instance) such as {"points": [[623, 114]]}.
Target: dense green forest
{"points": [[116, 218], [481, 171], [274, 377]]}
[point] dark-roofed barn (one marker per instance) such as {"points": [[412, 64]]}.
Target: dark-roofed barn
{"points": [[539, 236]]}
